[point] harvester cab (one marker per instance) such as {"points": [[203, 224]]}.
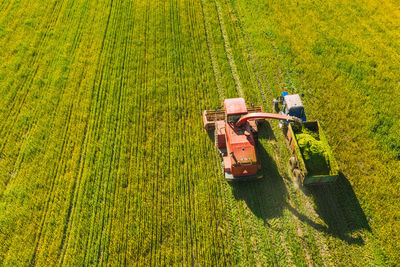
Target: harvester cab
{"points": [[235, 135], [290, 105]]}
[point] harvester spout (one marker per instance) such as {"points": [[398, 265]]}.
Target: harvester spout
{"points": [[253, 116]]}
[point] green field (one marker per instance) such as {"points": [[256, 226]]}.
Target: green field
{"points": [[103, 156]]}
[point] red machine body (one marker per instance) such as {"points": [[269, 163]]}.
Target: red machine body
{"points": [[235, 106], [236, 131], [241, 159]]}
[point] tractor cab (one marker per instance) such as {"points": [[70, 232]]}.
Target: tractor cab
{"points": [[291, 105]]}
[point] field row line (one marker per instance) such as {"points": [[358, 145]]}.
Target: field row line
{"points": [[33, 66], [241, 94], [56, 171], [95, 246], [81, 180]]}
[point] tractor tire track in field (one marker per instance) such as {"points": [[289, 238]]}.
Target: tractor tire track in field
{"points": [[250, 50], [131, 207], [184, 190], [212, 55], [93, 251], [222, 97], [60, 162], [126, 179], [139, 167], [18, 161], [122, 105], [156, 144], [196, 28], [240, 92], [250, 56], [330, 204], [59, 165], [228, 50], [166, 187], [75, 181], [258, 71], [147, 223], [133, 151], [114, 154]]}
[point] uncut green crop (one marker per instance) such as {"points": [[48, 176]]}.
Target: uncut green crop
{"points": [[104, 153]]}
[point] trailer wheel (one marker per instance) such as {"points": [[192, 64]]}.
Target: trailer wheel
{"points": [[283, 126], [298, 177], [292, 163]]}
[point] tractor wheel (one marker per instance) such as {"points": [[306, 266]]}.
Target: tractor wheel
{"points": [[292, 163], [275, 106], [283, 126]]}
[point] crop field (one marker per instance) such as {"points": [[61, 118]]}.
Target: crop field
{"points": [[103, 155]]}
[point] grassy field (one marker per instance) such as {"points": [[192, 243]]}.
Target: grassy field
{"points": [[103, 158]]}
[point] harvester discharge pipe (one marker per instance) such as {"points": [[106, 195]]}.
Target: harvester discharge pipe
{"points": [[253, 116]]}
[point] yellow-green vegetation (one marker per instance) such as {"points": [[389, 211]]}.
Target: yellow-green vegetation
{"points": [[314, 153], [104, 161], [344, 56]]}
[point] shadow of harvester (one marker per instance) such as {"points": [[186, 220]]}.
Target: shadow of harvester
{"points": [[266, 197]]}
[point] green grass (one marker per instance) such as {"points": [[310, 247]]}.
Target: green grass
{"points": [[104, 160], [341, 63]]}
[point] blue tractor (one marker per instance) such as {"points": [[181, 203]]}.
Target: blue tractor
{"points": [[289, 105], [303, 168]]}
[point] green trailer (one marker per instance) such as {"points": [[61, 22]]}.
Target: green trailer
{"points": [[308, 169]]}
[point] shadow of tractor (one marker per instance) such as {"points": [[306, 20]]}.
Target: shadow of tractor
{"points": [[336, 204]]}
